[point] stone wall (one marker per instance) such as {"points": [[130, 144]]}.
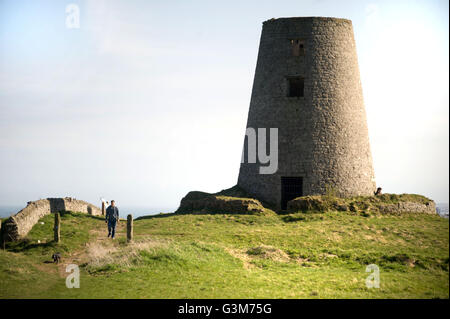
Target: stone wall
{"points": [[20, 224], [323, 136], [411, 207], [384, 204]]}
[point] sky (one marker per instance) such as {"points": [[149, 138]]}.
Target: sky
{"points": [[148, 100]]}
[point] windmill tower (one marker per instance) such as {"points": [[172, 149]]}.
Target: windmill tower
{"points": [[307, 85]]}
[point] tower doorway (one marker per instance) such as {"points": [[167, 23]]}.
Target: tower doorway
{"points": [[291, 187]]}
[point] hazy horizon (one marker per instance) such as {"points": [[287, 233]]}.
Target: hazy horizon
{"points": [[139, 211], [147, 101]]}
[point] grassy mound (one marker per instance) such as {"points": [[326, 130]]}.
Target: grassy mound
{"points": [[226, 201], [296, 255]]}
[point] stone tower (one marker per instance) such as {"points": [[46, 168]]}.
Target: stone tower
{"points": [[307, 85]]}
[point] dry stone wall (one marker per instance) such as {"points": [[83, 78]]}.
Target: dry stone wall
{"points": [[20, 224], [384, 204], [428, 208]]}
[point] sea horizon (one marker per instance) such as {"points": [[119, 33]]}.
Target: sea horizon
{"points": [[136, 211]]}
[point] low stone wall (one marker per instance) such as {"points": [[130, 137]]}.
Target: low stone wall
{"points": [[428, 208], [384, 204], [20, 224]]}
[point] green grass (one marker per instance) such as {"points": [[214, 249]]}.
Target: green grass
{"points": [[301, 255]]}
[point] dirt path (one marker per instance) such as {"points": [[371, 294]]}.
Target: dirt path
{"points": [[98, 238]]}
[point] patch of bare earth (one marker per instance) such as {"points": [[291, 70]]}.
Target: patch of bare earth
{"points": [[241, 255], [258, 252]]}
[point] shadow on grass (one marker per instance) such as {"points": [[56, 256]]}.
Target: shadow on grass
{"points": [[303, 217], [292, 219], [164, 215], [77, 214], [26, 245], [160, 215]]}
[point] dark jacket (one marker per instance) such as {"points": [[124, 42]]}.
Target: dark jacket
{"points": [[112, 214]]}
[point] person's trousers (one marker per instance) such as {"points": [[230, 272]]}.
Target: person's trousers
{"points": [[111, 228]]}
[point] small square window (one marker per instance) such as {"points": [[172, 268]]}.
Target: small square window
{"points": [[296, 86], [298, 47]]}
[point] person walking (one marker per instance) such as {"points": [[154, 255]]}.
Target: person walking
{"points": [[112, 217]]}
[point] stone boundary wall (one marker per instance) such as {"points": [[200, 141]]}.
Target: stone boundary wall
{"points": [[18, 226], [429, 208], [365, 204]]}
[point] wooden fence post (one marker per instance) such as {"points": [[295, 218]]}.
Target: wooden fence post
{"points": [[103, 208], [56, 229], [129, 227]]}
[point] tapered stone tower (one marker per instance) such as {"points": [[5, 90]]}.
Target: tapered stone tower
{"points": [[307, 85]]}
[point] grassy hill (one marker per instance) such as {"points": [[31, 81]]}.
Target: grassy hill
{"points": [[301, 255]]}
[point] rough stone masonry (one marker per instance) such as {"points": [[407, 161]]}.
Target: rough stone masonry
{"points": [[307, 84]]}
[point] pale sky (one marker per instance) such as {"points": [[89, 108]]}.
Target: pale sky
{"points": [[148, 100]]}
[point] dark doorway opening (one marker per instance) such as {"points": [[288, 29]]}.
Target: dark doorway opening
{"points": [[291, 187]]}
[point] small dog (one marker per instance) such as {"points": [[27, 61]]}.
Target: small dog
{"points": [[56, 257]]}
